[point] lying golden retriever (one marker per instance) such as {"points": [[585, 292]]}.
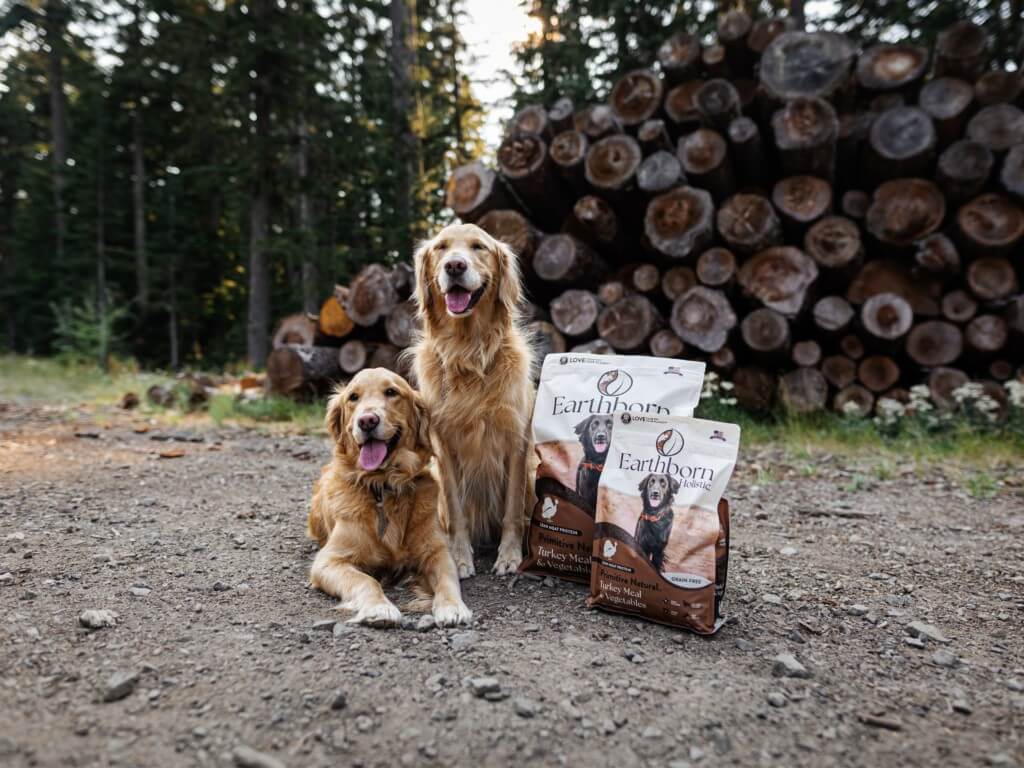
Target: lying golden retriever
{"points": [[473, 365], [374, 507]]}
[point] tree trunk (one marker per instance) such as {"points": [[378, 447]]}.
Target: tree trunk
{"points": [[961, 50], [832, 315], [525, 164], [934, 343], [612, 164], [515, 231], [835, 246], [597, 122], [569, 154], [298, 329], [963, 170], [718, 103], [839, 370], [806, 131], [680, 222], [665, 343], [854, 400], [748, 224], [958, 306], [402, 324], [723, 361], [56, 19], [904, 211], [998, 86], [985, 336], [886, 316], [855, 204], [902, 142], [878, 373], [297, 368], [999, 127], [892, 67], [1012, 174], [595, 222], [139, 210], [547, 339], [679, 57], [748, 152], [574, 313], [353, 356], [712, 60], [473, 190], [889, 276], [807, 65], [716, 268], [733, 29], [703, 318], [754, 388], [653, 137], [610, 292], [990, 225], [659, 173], [681, 107], [766, 334], [937, 254], [310, 278], [563, 259], [401, 61], [636, 97], [942, 383], [372, 295], [802, 200], [560, 115], [780, 278], [947, 100], [803, 390], [851, 346], [333, 321], [628, 323], [676, 281], [532, 118], [642, 278], [705, 159], [261, 190]]}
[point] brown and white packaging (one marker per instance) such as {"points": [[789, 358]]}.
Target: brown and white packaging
{"points": [[661, 541], [579, 400]]}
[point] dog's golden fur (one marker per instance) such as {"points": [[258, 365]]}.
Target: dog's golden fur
{"points": [[474, 371], [345, 519]]}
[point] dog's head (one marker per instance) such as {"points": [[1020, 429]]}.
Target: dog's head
{"points": [[379, 426], [462, 271], [596, 435], [658, 490]]}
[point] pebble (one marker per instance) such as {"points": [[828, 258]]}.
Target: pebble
{"points": [[524, 707], [120, 684], [425, 624], [696, 754], [340, 700], [786, 665], [788, 551], [650, 732], [962, 706], [484, 685], [364, 723], [1015, 685], [1000, 760], [220, 586], [6, 579], [247, 757], [772, 599], [857, 609], [435, 682], [571, 709], [461, 641], [606, 727], [777, 699], [943, 658], [343, 628], [926, 632], [531, 628], [97, 618], [914, 642], [324, 625]]}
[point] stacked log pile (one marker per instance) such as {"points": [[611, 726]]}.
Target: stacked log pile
{"points": [[825, 225]]}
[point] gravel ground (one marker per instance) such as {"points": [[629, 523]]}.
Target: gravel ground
{"points": [[873, 622]]}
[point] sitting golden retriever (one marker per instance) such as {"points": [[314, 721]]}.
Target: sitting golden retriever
{"points": [[374, 507], [473, 365]]}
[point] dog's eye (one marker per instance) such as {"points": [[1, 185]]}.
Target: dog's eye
{"points": [[478, 247], [442, 245], [353, 397], [390, 392]]}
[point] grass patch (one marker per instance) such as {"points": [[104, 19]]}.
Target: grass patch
{"points": [[68, 382], [304, 417]]}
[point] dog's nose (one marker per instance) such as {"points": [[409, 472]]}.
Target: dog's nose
{"points": [[455, 266], [368, 422]]}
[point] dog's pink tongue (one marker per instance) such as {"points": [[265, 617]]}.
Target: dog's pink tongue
{"points": [[457, 299], [372, 454]]}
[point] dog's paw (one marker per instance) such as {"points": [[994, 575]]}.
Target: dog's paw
{"points": [[508, 561], [462, 554], [378, 615], [451, 614]]}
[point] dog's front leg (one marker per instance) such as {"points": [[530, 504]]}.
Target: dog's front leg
{"points": [[443, 579], [358, 591], [458, 524], [510, 550]]}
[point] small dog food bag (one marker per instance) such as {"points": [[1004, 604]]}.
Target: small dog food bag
{"points": [[579, 400], [661, 540]]}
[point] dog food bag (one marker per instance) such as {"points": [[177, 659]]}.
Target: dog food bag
{"points": [[579, 399], [661, 541]]}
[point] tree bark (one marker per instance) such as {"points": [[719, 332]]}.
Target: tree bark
{"points": [[703, 318], [748, 151], [473, 190], [961, 51], [55, 22], [595, 222], [890, 276], [525, 164], [299, 368], [139, 173], [963, 170], [803, 390], [902, 141], [401, 61], [948, 101], [733, 29], [806, 132], [569, 154]]}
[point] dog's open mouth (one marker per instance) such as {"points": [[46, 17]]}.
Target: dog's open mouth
{"points": [[459, 300], [601, 444], [655, 498], [373, 453]]}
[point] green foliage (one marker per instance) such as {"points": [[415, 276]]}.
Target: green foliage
{"points": [[89, 328]]}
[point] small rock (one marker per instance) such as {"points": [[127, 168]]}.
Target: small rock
{"points": [[548, 581], [340, 700], [220, 586], [570, 709], [857, 609], [324, 625], [914, 642], [1015, 685], [786, 665], [120, 684], [771, 599], [364, 723], [650, 732], [435, 682], [606, 727], [484, 685], [6, 579], [943, 658], [962, 706], [461, 641], [696, 754], [524, 707], [343, 628], [246, 757], [777, 699], [531, 628], [496, 695], [140, 591], [97, 618], [425, 624], [926, 632], [1000, 760], [787, 551]]}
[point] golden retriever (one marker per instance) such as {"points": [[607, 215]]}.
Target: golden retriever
{"points": [[374, 507], [473, 365]]}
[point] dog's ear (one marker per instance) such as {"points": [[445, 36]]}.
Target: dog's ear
{"points": [[421, 264], [582, 426], [673, 484], [644, 482], [422, 417], [509, 280], [335, 413]]}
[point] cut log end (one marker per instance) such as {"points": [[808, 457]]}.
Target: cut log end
{"points": [[934, 343], [803, 390], [628, 323], [703, 318], [636, 97], [679, 223], [802, 199]]}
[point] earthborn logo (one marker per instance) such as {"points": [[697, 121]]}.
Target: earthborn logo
{"points": [[614, 383], [669, 443]]}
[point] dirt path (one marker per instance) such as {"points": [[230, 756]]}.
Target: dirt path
{"points": [[220, 645]]}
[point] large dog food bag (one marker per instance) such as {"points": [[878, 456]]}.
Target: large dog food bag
{"points": [[579, 402], [661, 543]]}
